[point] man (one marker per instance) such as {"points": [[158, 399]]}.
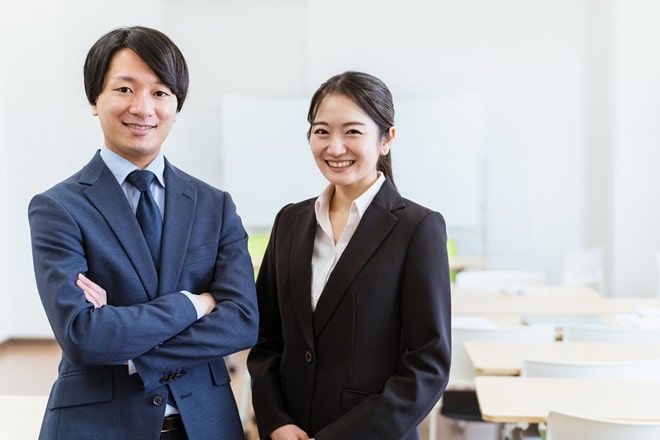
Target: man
{"points": [[143, 323]]}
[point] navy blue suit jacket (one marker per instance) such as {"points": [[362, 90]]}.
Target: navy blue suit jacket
{"points": [[85, 225], [373, 357]]}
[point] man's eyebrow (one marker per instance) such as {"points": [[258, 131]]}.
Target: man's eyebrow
{"points": [[130, 79]]}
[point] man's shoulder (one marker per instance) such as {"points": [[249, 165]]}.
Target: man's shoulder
{"points": [[173, 172], [86, 175]]}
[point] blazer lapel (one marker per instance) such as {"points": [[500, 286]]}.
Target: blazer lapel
{"points": [[373, 228], [180, 204], [107, 196], [300, 269]]}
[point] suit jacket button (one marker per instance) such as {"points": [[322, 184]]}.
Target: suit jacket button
{"points": [[308, 357], [157, 400]]}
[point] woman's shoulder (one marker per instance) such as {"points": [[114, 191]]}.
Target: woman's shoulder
{"points": [[415, 211], [296, 207], [390, 198]]}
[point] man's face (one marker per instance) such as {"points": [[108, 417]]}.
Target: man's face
{"points": [[135, 109]]}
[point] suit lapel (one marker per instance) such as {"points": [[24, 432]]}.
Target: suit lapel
{"points": [[107, 196], [300, 268], [180, 204], [373, 228]]}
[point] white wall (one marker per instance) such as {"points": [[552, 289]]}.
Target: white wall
{"points": [[568, 90], [4, 206], [526, 61], [48, 129], [636, 105]]}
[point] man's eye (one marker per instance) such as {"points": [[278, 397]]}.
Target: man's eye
{"points": [[161, 94], [123, 89]]}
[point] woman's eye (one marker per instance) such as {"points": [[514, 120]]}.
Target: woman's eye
{"points": [[320, 131], [353, 131]]}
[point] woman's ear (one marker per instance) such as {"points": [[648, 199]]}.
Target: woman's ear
{"points": [[94, 111], [386, 143]]}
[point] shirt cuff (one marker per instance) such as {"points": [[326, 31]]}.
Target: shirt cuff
{"points": [[131, 367], [199, 308]]}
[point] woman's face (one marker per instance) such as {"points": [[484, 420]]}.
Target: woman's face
{"points": [[346, 144]]}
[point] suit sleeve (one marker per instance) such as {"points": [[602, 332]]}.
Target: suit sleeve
{"points": [[264, 358], [231, 327], [410, 394], [88, 335]]}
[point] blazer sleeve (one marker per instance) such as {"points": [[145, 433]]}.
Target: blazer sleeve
{"points": [[409, 395], [88, 335], [230, 327]]}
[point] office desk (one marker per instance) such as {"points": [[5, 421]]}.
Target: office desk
{"points": [[520, 305], [545, 290], [541, 291], [530, 399], [21, 415], [462, 262], [549, 301], [504, 358]]}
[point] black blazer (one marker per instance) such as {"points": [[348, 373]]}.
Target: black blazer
{"points": [[373, 358]]}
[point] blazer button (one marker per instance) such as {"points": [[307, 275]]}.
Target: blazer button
{"points": [[157, 400], [308, 357]]}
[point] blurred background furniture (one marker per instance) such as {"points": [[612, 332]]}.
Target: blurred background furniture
{"points": [[564, 426], [584, 267], [499, 280], [606, 333], [459, 401], [509, 399], [641, 369]]}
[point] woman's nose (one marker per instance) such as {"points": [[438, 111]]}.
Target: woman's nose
{"points": [[336, 145]]}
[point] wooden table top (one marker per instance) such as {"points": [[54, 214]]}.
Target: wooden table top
{"points": [[529, 399], [505, 358], [557, 301], [462, 262]]}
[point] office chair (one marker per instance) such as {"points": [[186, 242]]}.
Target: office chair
{"points": [[563, 426], [499, 280], [459, 401], [643, 369], [606, 333], [584, 267]]}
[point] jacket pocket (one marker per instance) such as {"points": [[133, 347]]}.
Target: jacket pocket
{"points": [[82, 388], [351, 398], [197, 254], [219, 373]]}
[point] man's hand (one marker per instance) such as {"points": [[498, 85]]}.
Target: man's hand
{"points": [[208, 301], [94, 293], [289, 432]]}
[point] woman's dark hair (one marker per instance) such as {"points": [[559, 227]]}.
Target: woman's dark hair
{"points": [[371, 95], [152, 46]]}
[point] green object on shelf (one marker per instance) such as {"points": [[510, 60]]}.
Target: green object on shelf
{"points": [[256, 248], [451, 251], [451, 247], [257, 245]]}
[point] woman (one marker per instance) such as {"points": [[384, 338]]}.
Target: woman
{"points": [[354, 299]]}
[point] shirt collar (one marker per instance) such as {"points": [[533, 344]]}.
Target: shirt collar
{"points": [[360, 204], [121, 167]]}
